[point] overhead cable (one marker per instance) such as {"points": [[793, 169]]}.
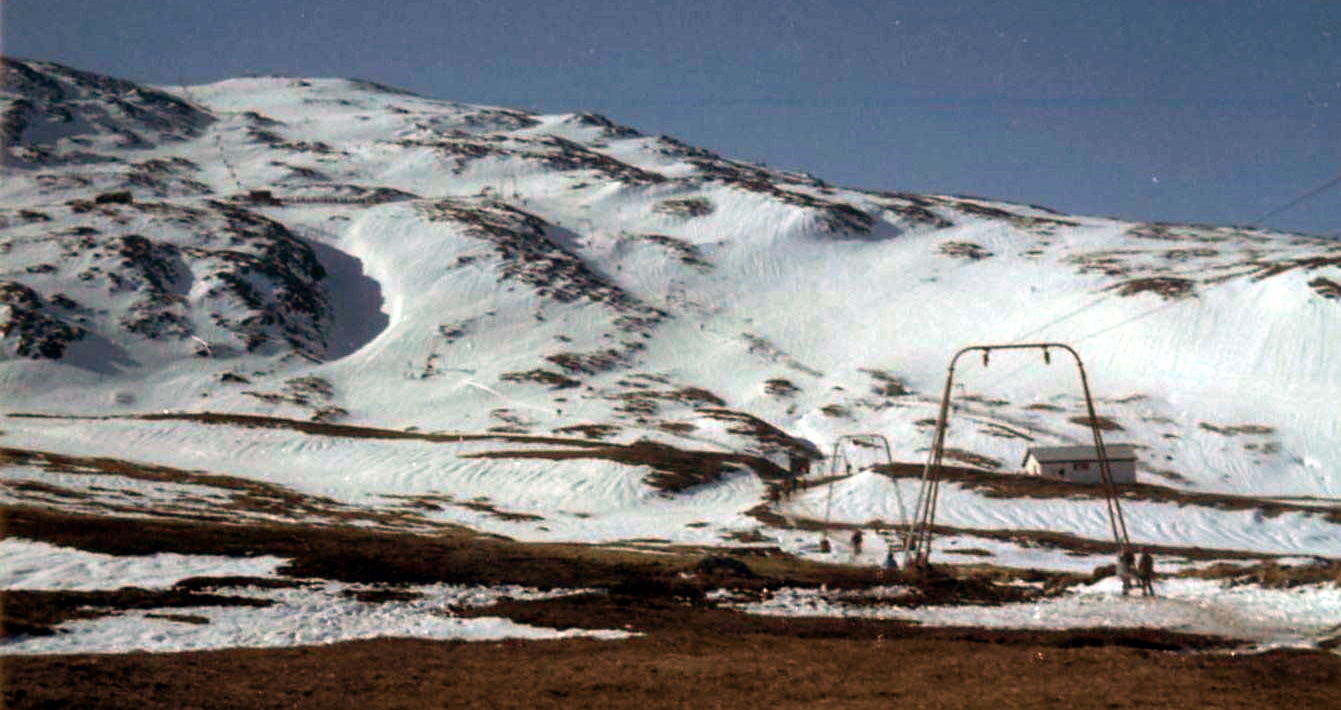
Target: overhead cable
{"points": [[1328, 184]]}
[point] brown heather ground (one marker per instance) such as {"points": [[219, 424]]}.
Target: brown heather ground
{"points": [[690, 655], [689, 668]]}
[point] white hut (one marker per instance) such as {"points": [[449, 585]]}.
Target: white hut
{"points": [[1080, 464]]}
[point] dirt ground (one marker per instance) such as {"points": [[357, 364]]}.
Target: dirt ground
{"points": [[691, 669], [690, 654]]}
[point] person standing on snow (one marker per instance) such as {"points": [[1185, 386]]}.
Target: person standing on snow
{"points": [[1125, 563], [1145, 573], [856, 542]]}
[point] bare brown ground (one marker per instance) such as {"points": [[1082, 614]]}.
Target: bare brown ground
{"points": [[678, 670]]}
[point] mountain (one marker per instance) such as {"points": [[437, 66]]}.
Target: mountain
{"points": [[555, 327]]}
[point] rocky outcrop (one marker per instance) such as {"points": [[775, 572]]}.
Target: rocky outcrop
{"points": [[56, 114], [25, 322]]}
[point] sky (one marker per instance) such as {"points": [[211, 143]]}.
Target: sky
{"points": [[1212, 111]]}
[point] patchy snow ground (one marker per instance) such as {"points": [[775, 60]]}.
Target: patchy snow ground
{"points": [[591, 500], [310, 615], [317, 612], [1268, 618], [869, 496]]}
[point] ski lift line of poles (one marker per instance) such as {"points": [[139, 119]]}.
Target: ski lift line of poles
{"points": [[917, 545], [218, 140], [828, 499]]}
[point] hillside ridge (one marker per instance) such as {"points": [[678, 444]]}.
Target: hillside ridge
{"points": [[344, 252]]}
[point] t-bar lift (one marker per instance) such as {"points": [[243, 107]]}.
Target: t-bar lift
{"points": [[917, 545]]}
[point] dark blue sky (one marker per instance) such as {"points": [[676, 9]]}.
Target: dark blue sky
{"points": [[1189, 110]]}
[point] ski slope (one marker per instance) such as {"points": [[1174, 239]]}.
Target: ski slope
{"points": [[491, 270]]}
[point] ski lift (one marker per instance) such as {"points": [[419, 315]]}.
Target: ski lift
{"points": [[917, 546], [839, 461]]}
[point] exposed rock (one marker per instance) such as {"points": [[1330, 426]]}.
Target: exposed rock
{"points": [[55, 105], [36, 334]]}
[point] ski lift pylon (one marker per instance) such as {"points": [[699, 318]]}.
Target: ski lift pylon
{"points": [[917, 545]]}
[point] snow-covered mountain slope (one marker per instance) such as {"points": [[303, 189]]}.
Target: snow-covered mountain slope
{"points": [[342, 251]]}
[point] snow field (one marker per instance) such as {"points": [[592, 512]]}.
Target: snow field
{"points": [[29, 564]]}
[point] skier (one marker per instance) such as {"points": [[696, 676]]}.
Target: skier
{"points": [[856, 542]]}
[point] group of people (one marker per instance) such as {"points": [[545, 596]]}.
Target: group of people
{"points": [[855, 541], [1133, 571], [1136, 573], [858, 538]]}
